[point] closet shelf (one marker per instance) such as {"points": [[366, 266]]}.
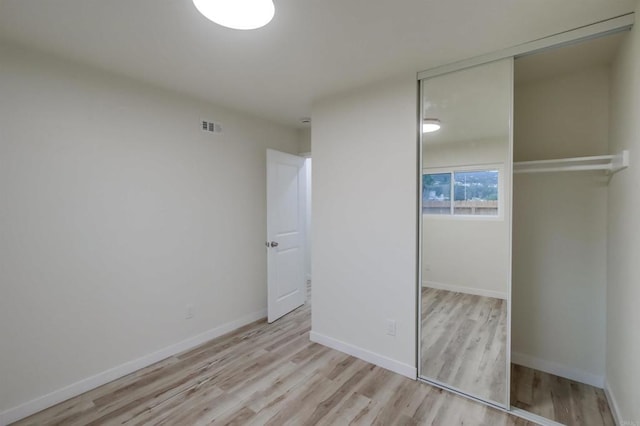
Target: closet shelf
{"points": [[610, 164]]}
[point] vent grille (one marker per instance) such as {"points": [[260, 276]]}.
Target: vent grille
{"points": [[211, 126]]}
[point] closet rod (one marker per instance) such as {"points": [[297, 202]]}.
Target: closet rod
{"points": [[607, 163]]}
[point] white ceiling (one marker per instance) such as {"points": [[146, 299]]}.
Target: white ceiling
{"points": [[311, 49]]}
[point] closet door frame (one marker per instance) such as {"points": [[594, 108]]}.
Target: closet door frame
{"points": [[596, 30]]}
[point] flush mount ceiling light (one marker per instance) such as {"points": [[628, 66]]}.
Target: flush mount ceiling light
{"points": [[237, 14], [430, 125]]}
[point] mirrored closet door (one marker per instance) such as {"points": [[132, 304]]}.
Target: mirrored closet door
{"points": [[466, 225]]}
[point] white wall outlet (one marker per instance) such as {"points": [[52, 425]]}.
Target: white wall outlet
{"points": [[190, 312], [427, 267], [391, 327]]}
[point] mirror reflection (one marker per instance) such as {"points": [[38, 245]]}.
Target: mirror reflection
{"points": [[466, 185]]}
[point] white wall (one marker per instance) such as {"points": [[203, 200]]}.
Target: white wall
{"points": [[308, 223], [364, 222], [116, 212], [559, 227], [304, 147], [623, 290], [467, 254], [484, 151], [304, 140]]}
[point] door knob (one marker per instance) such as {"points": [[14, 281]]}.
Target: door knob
{"points": [[274, 244]]}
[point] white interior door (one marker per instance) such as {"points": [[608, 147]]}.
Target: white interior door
{"points": [[285, 233]]}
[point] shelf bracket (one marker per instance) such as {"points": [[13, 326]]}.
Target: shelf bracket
{"points": [[619, 162]]}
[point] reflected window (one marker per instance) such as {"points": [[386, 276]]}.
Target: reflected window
{"points": [[436, 193], [474, 193]]}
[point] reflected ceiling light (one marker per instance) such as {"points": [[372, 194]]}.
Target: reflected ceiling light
{"points": [[237, 14], [430, 125]]}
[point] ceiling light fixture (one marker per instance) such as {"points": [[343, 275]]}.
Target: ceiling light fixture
{"points": [[237, 14], [430, 125]]}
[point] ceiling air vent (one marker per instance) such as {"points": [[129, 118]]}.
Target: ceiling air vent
{"points": [[211, 126]]}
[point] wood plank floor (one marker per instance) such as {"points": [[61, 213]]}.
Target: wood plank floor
{"points": [[268, 374], [459, 331], [559, 399], [464, 342]]}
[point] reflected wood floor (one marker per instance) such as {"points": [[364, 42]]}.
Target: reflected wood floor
{"points": [[464, 342], [268, 374], [559, 399]]}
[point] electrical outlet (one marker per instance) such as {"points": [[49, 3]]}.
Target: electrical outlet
{"points": [[427, 267], [391, 327], [190, 312]]}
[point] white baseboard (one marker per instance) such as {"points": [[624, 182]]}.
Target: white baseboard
{"points": [[466, 290], [38, 404], [613, 404], [407, 370], [557, 369]]}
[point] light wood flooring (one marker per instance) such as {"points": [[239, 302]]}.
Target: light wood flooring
{"points": [[464, 342], [268, 374], [559, 399]]}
